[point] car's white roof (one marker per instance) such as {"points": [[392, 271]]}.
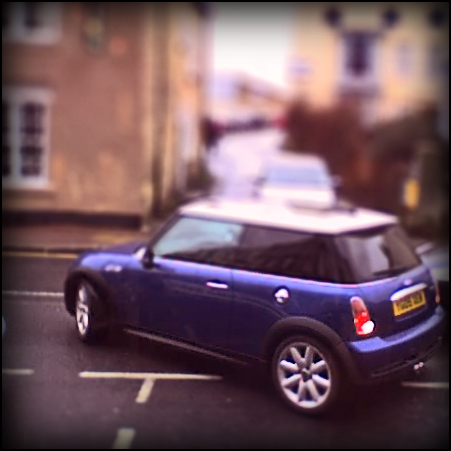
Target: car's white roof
{"points": [[287, 216]]}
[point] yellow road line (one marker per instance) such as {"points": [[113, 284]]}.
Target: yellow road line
{"points": [[24, 372], [124, 438], [38, 294], [145, 376], [443, 385], [57, 255]]}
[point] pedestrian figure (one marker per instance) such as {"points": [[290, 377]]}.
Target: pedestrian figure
{"points": [[211, 132]]}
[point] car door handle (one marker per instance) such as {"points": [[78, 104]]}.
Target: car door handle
{"points": [[217, 285]]}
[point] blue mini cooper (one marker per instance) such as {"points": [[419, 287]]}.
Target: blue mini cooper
{"points": [[322, 297]]}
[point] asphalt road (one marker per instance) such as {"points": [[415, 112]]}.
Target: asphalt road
{"points": [[55, 393]]}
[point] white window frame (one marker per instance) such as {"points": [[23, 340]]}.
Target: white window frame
{"points": [[47, 33], [15, 97]]}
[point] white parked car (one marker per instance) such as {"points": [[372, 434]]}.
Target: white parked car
{"points": [[436, 258], [303, 178]]}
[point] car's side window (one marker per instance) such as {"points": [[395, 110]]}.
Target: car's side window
{"points": [[286, 253], [200, 240]]}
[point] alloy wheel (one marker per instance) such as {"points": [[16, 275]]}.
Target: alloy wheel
{"points": [[304, 375], [82, 310]]}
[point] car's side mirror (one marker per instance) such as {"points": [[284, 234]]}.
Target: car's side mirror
{"points": [[148, 258], [424, 248]]}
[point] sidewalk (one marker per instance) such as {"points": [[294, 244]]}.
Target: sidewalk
{"points": [[67, 238]]}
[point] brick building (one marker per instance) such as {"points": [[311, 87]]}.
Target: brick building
{"points": [[101, 105]]}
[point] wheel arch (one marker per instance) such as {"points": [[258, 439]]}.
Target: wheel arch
{"points": [[98, 282], [286, 328]]}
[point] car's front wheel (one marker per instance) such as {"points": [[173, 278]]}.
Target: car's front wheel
{"points": [[306, 375], [90, 315]]}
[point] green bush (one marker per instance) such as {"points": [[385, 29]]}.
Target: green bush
{"points": [[384, 153], [335, 134]]}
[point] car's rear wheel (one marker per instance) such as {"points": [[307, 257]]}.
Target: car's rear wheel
{"points": [[90, 314], [306, 375]]}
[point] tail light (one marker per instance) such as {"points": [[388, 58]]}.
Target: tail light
{"points": [[362, 320]]}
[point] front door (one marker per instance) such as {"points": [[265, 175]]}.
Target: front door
{"points": [[188, 292]]}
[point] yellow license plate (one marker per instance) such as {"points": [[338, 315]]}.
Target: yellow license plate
{"points": [[409, 303]]}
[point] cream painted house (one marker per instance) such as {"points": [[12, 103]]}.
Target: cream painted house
{"points": [[388, 57]]}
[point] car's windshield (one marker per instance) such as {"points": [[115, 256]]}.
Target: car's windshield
{"points": [[376, 254], [298, 175]]}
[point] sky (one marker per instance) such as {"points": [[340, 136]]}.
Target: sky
{"points": [[254, 39]]}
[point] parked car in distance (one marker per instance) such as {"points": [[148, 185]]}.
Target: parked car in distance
{"points": [[320, 297], [436, 258], [301, 177]]}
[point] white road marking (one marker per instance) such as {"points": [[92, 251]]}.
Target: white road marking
{"points": [[23, 372], [46, 294], [124, 438], [146, 390], [56, 255], [148, 379], [442, 385]]}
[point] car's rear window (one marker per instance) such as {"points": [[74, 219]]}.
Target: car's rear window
{"points": [[298, 175], [375, 254]]}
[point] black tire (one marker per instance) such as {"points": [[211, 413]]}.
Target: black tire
{"points": [[91, 320], [298, 384]]}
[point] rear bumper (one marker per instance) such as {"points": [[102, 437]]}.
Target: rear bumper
{"points": [[379, 358]]}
